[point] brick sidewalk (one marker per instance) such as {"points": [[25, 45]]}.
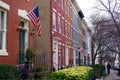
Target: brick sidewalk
{"points": [[112, 76]]}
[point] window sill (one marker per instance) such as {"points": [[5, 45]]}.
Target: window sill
{"points": [[3, 53]]}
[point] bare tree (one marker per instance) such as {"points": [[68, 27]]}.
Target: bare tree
{"points": [[99, 37], [111, 8]]}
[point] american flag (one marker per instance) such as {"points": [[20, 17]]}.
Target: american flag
{"points": [[81, 49], [34, 17]]}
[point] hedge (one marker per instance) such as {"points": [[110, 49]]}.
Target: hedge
{"points": [[9, 72], [99, 70], [73, 73]]}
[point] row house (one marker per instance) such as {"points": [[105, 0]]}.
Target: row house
{"points": [[88, 41], [76, 30], [62, 29], [15, 31], [61, 40], [56, 41], [83, 55], [81, 44]]}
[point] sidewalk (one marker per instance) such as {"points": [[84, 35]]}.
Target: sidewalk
{"points": [[112, 76]]}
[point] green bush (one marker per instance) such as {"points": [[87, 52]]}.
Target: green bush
{"points": [[29, 54], [39, 68], [9, 72], [73, 73], [99, 70]]}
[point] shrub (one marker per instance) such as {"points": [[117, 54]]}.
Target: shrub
{"points": [[39, 68], [9, 72], [99, 70], [29, 54], [73, 73]]}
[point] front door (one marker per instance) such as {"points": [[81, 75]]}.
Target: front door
{"points": [[21, 47], [55, 55]]}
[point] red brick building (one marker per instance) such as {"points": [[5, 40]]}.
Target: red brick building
{"points": [[55, 46], [62, 33], [15, 30]]}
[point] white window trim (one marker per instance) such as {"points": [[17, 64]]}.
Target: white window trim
{"points": [[59, 22], [23, 14], [26, 35], [3, 51], [54, 11], [4, 5], [7, 7], [63, 24], [62, 2]]}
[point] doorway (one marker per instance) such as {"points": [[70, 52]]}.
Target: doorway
{"points": [[21, 47]]}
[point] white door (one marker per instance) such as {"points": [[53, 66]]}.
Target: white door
{"points": [[67, 57], [55, 55]]}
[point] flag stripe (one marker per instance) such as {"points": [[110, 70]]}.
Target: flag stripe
{"points": [[34, 17]]}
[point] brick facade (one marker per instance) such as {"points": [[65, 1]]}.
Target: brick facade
{"points": [[13, 20]]}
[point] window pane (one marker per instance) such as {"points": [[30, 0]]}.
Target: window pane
{"points": [[62, 25], [54, 20], [1, 40], [2, 19], [2, 29], [59, 26], [58, 1], [21, 24]]}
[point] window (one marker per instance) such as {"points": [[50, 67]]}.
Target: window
{"points": [[58, 1], [68, 9], [71, 31], [65, 6], [21, 24], [62, 25], [3, 16], [62, 3], [66, 29], [59, 25], [54, 21]]}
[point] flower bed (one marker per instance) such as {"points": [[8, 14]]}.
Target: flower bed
{"points": [[73, 73]]}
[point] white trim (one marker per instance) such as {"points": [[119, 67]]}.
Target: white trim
{"points": [[56, 38], [54, 24], [3, 53], [60, 43], [26, 35], [3, 50], [54, 10], [63, 18], [55, 54], [68, 23], [67, 55], [63, 44], [23, 14], [4, 5], [59, 14]]}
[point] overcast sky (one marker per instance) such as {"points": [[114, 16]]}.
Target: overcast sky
{"points": [[86, 6]]}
